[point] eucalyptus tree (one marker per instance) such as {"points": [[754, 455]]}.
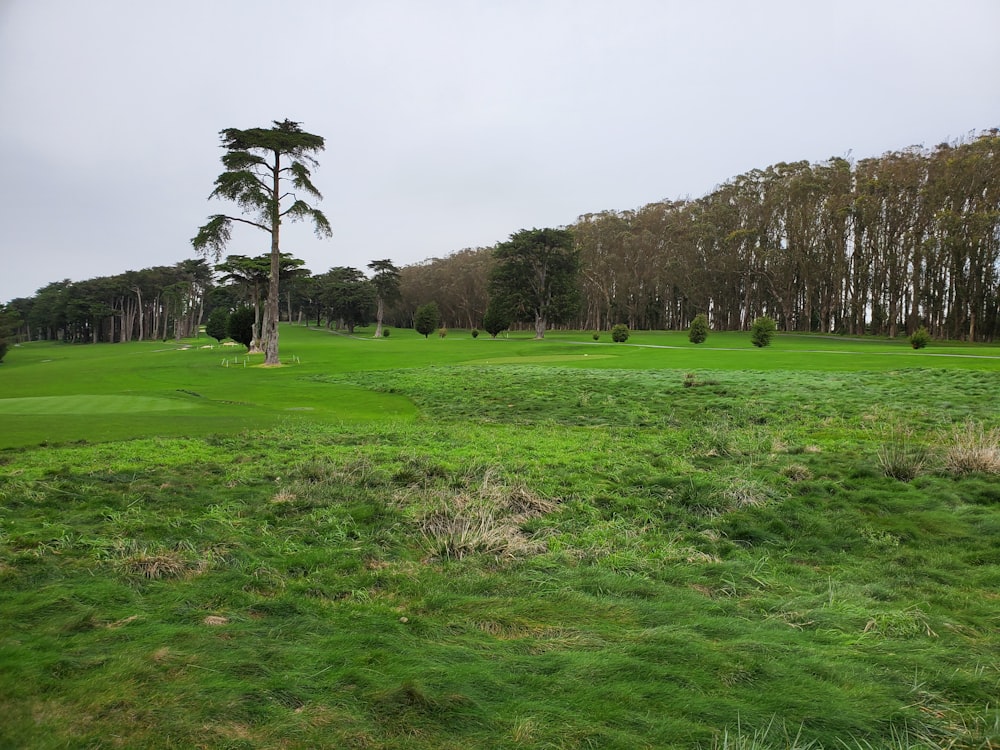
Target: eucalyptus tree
{"points": [[265, 171], [537, 276], [385, 280]]}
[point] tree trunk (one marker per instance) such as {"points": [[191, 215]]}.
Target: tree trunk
{"points": [[272, 303], [378, 318]]}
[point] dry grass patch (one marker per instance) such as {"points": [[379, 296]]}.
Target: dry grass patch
{"points": [[970, 448], [487, 519], [154, 564]]}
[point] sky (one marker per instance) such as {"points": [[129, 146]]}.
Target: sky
{"points": [[449, 124]]}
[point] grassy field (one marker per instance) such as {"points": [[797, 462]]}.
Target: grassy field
{"points": [[455, 543]]}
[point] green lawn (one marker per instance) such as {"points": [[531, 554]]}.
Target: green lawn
{"points": [[455, 543]]}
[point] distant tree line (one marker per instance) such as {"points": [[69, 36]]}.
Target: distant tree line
{"points": [[173, 302], [882, 245]]}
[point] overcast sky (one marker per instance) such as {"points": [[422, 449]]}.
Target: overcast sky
{"points": [[448, 123]]}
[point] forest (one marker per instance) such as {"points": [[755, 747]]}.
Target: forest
{"points": [[879, 245]]}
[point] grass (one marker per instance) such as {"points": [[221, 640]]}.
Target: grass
{"points": [[653, 547]]}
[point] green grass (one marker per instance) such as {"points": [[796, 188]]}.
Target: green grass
{"points": [[501, 544]]}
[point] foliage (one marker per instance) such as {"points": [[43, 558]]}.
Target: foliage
{"points": [[426, 319], [497, 318], [536, 277], [266, 170], [347, 296], [9, 322], [762, 331], [920, 338], [239, 327], [474, 333], [386, 332], [698, 331], [596, 335], [217, 325], [620, 333]]}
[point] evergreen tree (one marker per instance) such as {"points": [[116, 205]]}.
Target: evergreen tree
{"points": [[426, 319]]}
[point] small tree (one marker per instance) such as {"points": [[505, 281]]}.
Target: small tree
{"points": [[217, 325], [920, 338], [240, 326], [620, 333], [762, 330], [496, 318], [426, 318], [699, 329]]}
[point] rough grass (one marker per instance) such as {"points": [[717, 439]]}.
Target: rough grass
{"points": [[972, 448], [615, 559]]}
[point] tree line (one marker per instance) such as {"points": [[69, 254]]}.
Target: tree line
{"points": [[882, 245]]}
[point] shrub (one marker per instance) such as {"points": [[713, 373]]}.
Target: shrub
{"points": [[497, 318], [386, 332], [762, 330], [699, 329], [475, 333], [596, 336], [971, 448], [217, 324], [620, 333], [920, 338], [240, 326], [426, 318]]}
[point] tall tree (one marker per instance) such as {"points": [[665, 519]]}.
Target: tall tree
{"points": [[536, 276], [385, 279], [266, 169]]}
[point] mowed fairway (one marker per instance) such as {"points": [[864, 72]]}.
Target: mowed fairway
{"points": [[475, 543]]}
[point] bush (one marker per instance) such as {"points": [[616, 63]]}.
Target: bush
{"points": [[497, 318], [217, 324], [386, 332], [475, 333], [620, 333], [920, 338], [762, 330], [699, 329], [426, 318], [240, 326], [597, 336]]}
